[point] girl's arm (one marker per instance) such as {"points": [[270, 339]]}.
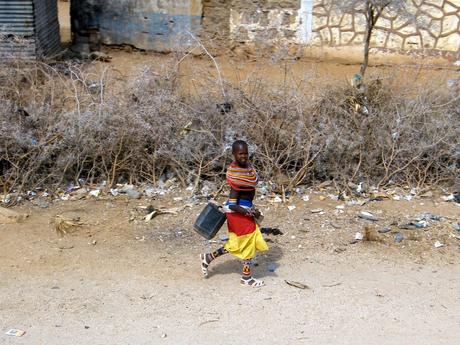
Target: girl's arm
{"points": [[233, 198]]}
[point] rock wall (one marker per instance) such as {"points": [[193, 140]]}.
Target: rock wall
{"points": [[436, 26]]}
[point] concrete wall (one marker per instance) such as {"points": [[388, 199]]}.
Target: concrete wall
{"points": [[159, 25]]}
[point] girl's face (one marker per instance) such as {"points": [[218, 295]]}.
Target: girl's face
{"points": [[241, 155]]}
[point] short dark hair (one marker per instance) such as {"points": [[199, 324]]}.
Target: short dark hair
{"points": [[238, 143]]}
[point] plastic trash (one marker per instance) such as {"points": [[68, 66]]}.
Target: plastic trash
{"points": [[399, 237], [15, 332], [438, 244], [367, 216], [271, 267]]}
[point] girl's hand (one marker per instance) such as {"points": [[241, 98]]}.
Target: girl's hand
{"points": [[250, 212]]}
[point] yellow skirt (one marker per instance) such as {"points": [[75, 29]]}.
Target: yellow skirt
{"points": [[246, 246]]}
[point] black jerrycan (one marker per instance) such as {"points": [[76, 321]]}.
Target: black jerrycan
{"points": [[210, 221]]}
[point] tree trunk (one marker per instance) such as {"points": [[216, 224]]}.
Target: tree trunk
{"points": [[369, 27]]}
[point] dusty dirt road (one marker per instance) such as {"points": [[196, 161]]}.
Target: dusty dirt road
{"points": [[119, 280]]}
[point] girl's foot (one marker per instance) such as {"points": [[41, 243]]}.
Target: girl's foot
{"points": [[253, 282], [204, 264]]}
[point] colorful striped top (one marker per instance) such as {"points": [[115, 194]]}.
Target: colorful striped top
{"points": [[242, 179]]}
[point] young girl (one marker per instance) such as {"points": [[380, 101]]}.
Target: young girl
{"points": [[245, 238]]}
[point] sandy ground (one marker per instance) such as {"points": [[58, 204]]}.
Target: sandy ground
{"points": [[119, 280]]}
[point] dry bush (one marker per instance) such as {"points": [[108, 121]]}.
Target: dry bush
{"points": [[63, 122]]}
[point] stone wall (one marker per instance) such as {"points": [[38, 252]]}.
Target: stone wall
{"points": [[436, 25], [163, 25]]}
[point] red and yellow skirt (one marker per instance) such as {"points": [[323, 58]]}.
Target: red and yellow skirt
{"points": [[244, 236]]}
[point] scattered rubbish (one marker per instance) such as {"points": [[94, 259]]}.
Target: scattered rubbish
{"points": [[291, 208], [339, 250], [456, 226], [336, 197], [457, 197], [62, 225], [41, 203], [428, 216], [208, 321], [277, 199], [15, 332], [164, 335], [407, 226], [65, 247], [367, 216], [292, 237], [316, 210], [157, 212], [271, 267], [428, 194], [332, 285], [397, 197], [271, 231], [452, 197], [306, 198], [421, 224], [95, 193], [133, 194], [297, 284], [352, 202], [114, 191], [399, 237], [150, 192], [385, 230], [8, 216], [409, 197], [457, 63], [438, 244], [452, 235], [359, 236]]}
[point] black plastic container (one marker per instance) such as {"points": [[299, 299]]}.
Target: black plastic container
{"points": [[210, 221]]}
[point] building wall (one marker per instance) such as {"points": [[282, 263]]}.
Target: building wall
{"points": [[436, 27], [164, 25], [159, 25]]}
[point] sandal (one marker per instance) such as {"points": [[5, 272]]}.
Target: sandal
{"points": [[255, 283], [204, 265]]}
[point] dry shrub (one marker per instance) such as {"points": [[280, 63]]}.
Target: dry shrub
{"points": [[63, 122]]}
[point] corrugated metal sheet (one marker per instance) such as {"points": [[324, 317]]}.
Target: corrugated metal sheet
{"points": [[47, 27], [28, 28]]}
